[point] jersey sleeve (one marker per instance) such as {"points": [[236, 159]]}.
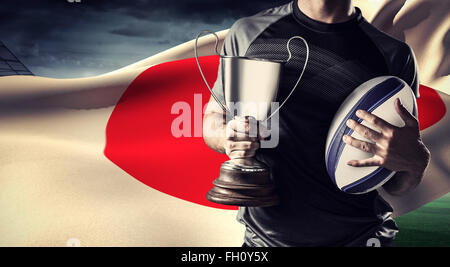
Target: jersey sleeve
{"points": [[409, 72]]}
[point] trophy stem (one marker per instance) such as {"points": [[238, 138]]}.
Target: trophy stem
{"points": [[243, 182]]}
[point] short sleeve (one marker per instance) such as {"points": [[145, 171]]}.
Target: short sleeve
{"points": [[409, 72]]}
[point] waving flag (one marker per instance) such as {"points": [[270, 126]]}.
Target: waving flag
{"points": [[94, 160]]}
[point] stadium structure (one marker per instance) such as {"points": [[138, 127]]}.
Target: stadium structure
{"points": [[10, 64]]}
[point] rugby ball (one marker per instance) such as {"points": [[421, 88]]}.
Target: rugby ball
{"points": [[376, 96]]}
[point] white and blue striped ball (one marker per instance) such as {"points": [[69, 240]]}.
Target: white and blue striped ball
{"points": [[376, 96]]}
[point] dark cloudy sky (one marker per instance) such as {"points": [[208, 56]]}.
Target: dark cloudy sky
{"points": [[56, 38]]}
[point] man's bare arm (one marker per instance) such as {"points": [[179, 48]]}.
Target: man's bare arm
{"points": [[214, 126], [230, 137]]}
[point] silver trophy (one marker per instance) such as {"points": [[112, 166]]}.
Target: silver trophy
{"points": [[250, 87]]}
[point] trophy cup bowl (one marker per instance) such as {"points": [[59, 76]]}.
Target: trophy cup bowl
{"points": [[250, 87]]}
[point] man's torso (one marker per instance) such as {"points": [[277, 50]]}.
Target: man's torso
{"points": [[341, 57]]}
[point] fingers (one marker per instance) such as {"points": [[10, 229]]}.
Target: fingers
{"points": [[394, 146], [364, 146], [242, 137], [374, 120], [242, 128], [406, 116], [241, 145], [361, 145], [363, 130], [240, 149], [373, 161]]}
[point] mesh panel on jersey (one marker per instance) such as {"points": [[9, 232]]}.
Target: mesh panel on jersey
{"points": [[327, 75]]}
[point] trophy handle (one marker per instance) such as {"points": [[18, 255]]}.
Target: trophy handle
{"points": [[301, 74], [200, 68]]}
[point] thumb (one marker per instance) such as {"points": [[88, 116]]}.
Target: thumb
{"points": [[406, 116]]}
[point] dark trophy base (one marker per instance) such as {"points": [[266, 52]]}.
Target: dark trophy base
{"points": [[243, 183]]}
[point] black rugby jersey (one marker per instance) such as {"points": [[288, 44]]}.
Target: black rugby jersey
{"points": [[313, 211]]}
